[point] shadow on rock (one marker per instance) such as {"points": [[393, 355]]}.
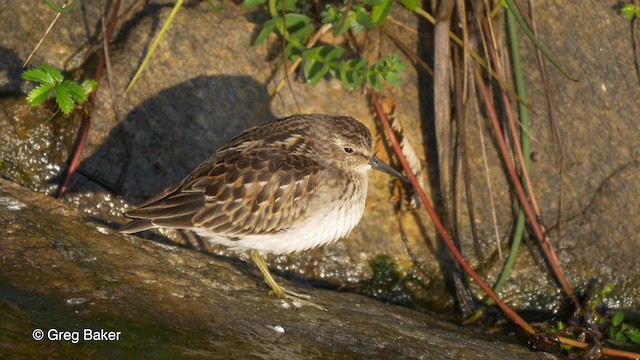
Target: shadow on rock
{"points": [[10, 66], [165, 137]]}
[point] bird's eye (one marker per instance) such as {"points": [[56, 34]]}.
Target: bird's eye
{"points": [[348, 150]]}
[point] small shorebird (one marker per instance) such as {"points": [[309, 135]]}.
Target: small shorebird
{"points": [[285, 186]]}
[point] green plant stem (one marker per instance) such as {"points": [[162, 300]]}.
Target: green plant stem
{"points": [[511, 7], [155, 43], [273, 11], [525, 144], [60, 9]]}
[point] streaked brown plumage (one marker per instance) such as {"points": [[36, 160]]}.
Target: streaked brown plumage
{"points": [[285, 186]]}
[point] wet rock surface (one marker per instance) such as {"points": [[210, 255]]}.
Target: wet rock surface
{"points": [[64, 272]]}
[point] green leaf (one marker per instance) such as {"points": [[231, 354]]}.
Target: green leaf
{"points": [[339, 30], [330, 14], [301, 34], [53, 72], [364, 20], [320, 60], [298, 28], [57, 8], [410, 4], [380, 11], [297, 21], [630, 11], [373, 80], [75, 91], [267, 29], [216, 7], [392, 78], [45, 74], [292, 51], [38, 95], [332, 52], [89, 86], [289, 5], [37, 75], [351, 73], [634, 335], [617, 318], [248, 4], [619, 337], [314, 71], [64, 99], [323, 53], [607, 290]]}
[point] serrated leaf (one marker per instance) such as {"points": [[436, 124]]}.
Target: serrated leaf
{"points": [[617, 318], [380, 11], [64, 100], [75, 91], [410, 4], [53, 72], [38, 95], [619, 337], [634, 336], [630, 11], [89, 86], [37, 75]]}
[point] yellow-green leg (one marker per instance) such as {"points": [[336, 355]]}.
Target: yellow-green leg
{"points": [[281, 292]]}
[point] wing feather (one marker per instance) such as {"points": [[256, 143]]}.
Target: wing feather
{"points": [[237, 192]]}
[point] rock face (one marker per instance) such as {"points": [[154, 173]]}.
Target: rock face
{"points": [[205, 84], [120, 297]]}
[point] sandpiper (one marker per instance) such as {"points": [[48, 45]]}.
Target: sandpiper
{"points": [[288, 185]]}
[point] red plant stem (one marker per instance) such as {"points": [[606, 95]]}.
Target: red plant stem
{"points": [[440, 227], [86, 119], [546, 246], [545, 242], [510, 313]]}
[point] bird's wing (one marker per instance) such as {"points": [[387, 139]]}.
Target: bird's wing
{"points": [[238, 193]]}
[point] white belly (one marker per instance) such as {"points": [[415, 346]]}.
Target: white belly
{"points": [[322, 226]]}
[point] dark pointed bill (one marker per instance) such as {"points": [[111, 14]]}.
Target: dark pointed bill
{"points": [[380, 165]]}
